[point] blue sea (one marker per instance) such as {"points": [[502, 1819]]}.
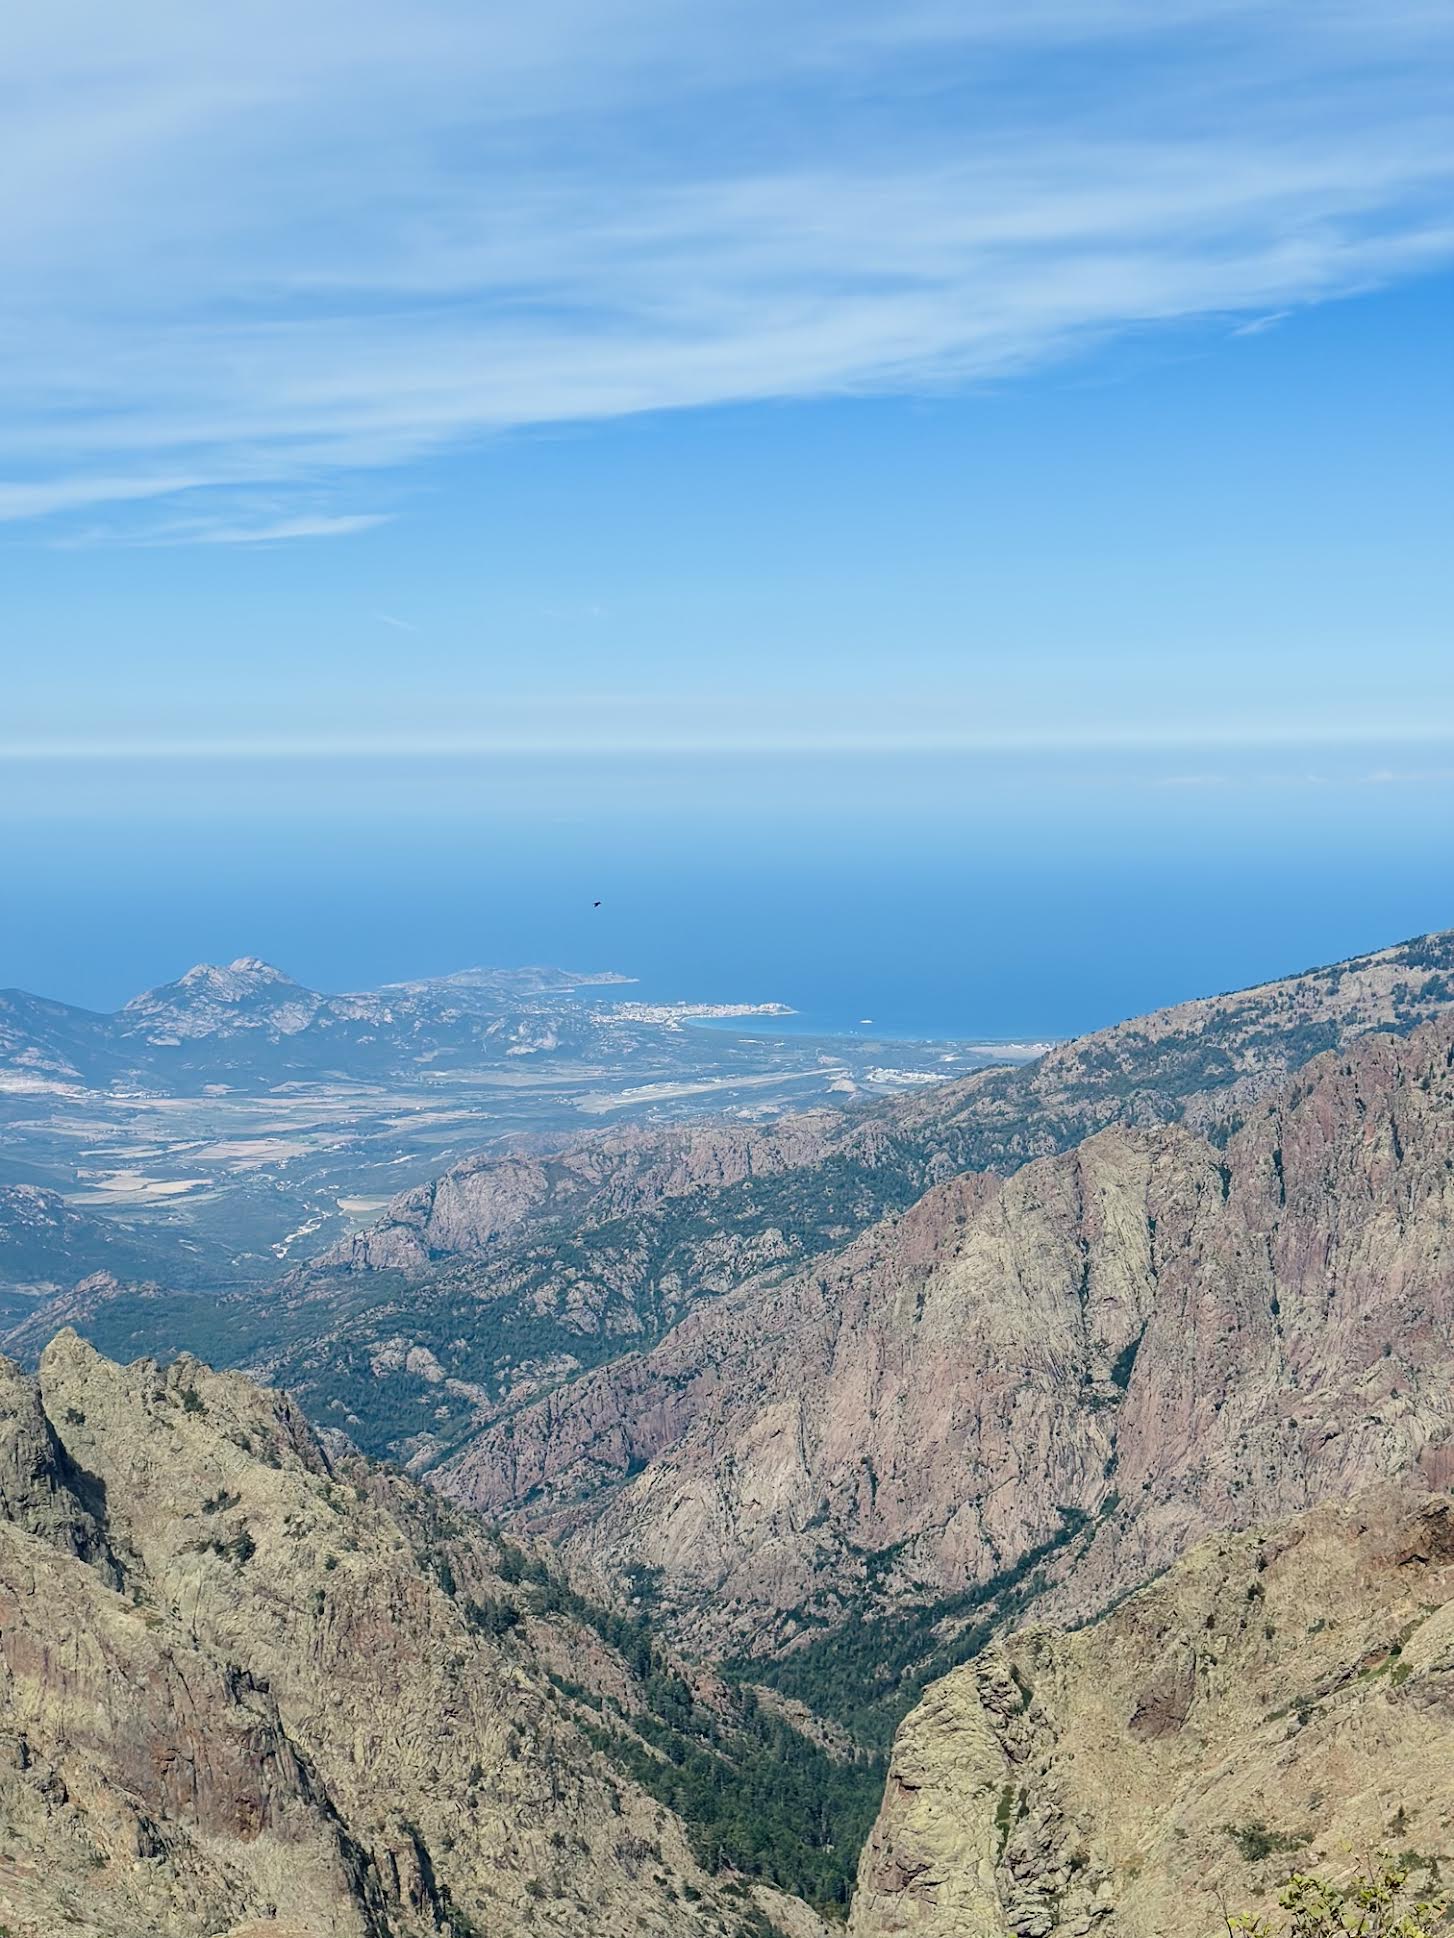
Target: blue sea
{"points": [[940, 896]]}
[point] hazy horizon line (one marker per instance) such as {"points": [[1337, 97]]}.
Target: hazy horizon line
{"points": [[535, 746]]}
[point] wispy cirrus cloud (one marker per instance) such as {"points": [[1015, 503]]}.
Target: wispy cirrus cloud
{"points": [[295, 247], [202, 531]]}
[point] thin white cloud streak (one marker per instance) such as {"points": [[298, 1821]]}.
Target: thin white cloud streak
{"points": [[285, 246], [222, 530], [1259, 324], [281, 530]]}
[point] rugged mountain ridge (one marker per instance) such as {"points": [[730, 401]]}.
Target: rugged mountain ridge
{"points": [[1279, 1700], [1201, 1059], [1072, 1372], [586, 1181], [512, 1274], [251, 1686]]}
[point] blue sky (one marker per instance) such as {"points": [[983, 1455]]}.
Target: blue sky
{"points": [[643, 375], [458, 420]]}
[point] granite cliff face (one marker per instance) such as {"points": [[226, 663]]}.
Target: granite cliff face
{"points": [[251, 1687], [1079, 1369], [1279, 1700]]}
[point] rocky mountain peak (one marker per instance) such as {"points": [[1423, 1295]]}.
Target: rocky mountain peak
{"points": [[213, 999], [244, 976]]}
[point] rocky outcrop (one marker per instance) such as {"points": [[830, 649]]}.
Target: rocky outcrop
{"points": [[41, 1492], [586, 1181], [249, 1687], [1281, 1699], [1101, 1358]]}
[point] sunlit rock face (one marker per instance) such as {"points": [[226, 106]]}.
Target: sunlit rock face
{"points": [[1281, 1699], [1107, 1354], [241, 1690]]}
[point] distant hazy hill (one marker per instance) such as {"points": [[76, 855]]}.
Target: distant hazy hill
{"points": [[248, 1023], [44, 1242], [234, 1121]]}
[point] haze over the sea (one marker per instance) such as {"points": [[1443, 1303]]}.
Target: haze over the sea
{"points": [[938, 894]]}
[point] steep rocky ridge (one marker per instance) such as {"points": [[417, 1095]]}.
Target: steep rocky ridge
{"points": [[514, 1273], [1281, 1699], [510, 1275], [1074, 1371], [1200, 1061], [1153, 1069], [585, 1181], [249, 1686]]}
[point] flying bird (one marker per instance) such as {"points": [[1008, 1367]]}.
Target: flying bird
{"points": [[595, 904]]}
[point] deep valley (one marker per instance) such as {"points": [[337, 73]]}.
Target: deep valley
{"points": [[729, 1462]]}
